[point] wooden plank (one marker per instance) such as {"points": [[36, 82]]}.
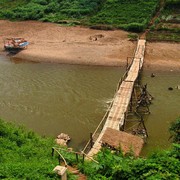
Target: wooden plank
{"points": [[121, 101]]}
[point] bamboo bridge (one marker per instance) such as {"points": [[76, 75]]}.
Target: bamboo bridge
{"points": [[115, 116]]}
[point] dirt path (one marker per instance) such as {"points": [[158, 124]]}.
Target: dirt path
{"points": [[78, 45]]}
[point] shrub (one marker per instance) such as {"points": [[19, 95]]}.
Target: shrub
{"points": [[24, 155], [175, 131], [129, 15]]}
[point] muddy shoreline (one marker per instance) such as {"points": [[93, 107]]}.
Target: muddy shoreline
{"points": [[79, 45]]}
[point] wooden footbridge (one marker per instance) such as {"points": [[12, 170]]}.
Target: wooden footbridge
{"points": [[115, 116]]}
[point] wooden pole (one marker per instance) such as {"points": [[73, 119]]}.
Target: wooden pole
{"points": [[83, 158], [142, 121], [59, 159], [77, 159], [91, 139], [52, 152], [127, 64], [131, 104]]}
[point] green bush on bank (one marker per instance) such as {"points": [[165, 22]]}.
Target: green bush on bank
{"points": [[25, 155], [160, 165], [172, 3], [165, 27], [131, 15]]}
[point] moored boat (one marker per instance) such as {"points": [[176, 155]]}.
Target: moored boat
{"points": [[15, 44]]}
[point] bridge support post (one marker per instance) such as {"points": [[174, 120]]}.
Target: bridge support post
{"points": [[144, 127], [144, 99], [77, 159], [127, 63], [91, 140]]}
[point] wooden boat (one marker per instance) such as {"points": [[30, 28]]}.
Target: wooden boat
{"points": [[15, 44]]}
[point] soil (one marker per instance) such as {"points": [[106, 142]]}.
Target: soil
{"points": [[80, 45], [164, 56]]}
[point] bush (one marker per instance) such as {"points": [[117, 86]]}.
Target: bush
{"points": [[175, 131], [133, 36], [130, 15], [24, 155], [135, 27], [160, 165]]}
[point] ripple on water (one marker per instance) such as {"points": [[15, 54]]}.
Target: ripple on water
{"points": [[51, 98]]}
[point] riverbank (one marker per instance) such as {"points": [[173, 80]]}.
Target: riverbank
{"points": [[79, 45]]}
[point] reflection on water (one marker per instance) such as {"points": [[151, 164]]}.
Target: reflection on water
{"points": [[55, 98]]}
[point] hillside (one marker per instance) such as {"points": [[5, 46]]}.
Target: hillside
{"points": [[25, 155], [166, 26], [133, 15]]}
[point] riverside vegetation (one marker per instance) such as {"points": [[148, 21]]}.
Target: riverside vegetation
{"points": [[166, 25], [133, 15], [130, 15], [25, 155]]}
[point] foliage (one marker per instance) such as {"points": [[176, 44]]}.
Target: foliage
{"points": [[133, 36], [131, 15], [112, 166], [166, 26], [172, 3], [24, 155], [175, 131], [163, 36]]}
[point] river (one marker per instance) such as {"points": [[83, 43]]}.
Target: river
{"points": [[54, 98]]}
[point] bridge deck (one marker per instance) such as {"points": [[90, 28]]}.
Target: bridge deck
{"points": [[122, 98]]}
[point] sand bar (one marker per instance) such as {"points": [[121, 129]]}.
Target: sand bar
{"points": [[80, 45]]}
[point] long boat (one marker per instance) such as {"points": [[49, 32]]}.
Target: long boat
{"points": [[15, 44]]}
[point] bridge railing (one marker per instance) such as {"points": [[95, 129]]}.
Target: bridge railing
{"points": [[100, 126], [95, 135]]}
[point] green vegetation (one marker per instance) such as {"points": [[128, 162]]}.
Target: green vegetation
{"points": [[175, 131], [166, 27], [132, 15], [133, 36], [25, 155], [160, 165]]}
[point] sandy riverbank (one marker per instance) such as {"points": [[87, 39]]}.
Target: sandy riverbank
{"points": [[78, 45]]}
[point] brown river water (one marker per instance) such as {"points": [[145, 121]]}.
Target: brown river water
{"points": [[54, 98]]}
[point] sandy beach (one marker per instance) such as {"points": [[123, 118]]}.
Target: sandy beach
{"points": [[79, 45]]}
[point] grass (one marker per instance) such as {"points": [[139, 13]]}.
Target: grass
{"points": [[166, 26], [132, 15], [24, 154], [163, 36], [129, 15]]}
